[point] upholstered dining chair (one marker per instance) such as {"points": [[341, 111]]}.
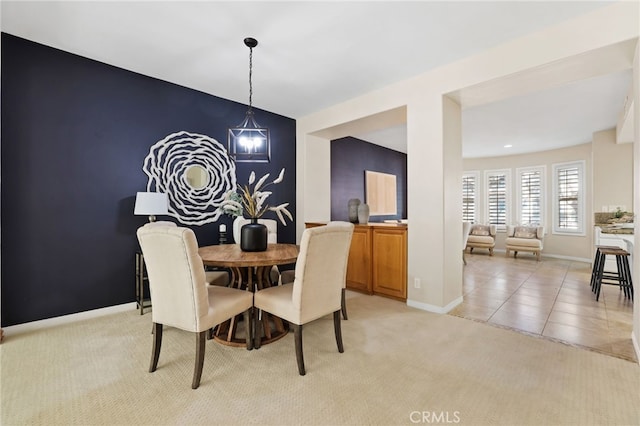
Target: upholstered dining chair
{"points": [[179, 293], [212, 277], [316, 290], [343, 302], [288, 276]]}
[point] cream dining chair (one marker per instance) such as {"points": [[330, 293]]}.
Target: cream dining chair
{"points": [[316, 291], [288, 276], [212, 277], [179, 293], [343, 302]]}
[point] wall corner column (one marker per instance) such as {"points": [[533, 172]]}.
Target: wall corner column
{"points": [[434, 170]]}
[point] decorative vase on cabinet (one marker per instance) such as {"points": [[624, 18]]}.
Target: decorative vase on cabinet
{"points": [[363, 213], [353, 210], [253, 236]]}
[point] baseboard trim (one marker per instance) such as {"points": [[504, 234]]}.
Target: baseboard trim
{"points": [[575, 259], [67, 319], [433, 308], [543, 255]]}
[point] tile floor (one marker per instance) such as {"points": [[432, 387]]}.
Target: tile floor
{"points": [[551, 298]]}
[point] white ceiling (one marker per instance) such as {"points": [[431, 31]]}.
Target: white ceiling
{"points": [[312, 55]]}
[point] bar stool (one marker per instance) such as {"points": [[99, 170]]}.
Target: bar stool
{"points": [[622, 276], [596, 264]]}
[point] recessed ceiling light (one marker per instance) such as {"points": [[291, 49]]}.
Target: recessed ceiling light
{"points": [[508, 146]]}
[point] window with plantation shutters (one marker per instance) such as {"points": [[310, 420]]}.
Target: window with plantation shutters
{"points": [[531, 196], [568, 198], [497, 190], [469, 197]]}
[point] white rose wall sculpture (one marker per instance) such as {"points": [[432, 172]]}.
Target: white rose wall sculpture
{"points": [[195, 172]]}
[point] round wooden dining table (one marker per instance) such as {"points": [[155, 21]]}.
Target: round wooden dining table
{"points": [[250, 271]]}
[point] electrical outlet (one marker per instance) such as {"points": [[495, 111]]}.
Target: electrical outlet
{"points": [[416, 282]]}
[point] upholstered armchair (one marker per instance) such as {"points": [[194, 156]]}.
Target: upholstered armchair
{"points": [[524, 238], [180, 295], [466, 228], [316, 291], [482, 236]]}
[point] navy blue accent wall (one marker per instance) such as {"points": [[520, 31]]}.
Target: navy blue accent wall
{"points": [[75, 133], [350, 157]]}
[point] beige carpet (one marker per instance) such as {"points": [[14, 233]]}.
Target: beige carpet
{"points": [[399, 365]]}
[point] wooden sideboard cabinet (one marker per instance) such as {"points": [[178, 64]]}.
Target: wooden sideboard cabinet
{"points": [[377, 259]]}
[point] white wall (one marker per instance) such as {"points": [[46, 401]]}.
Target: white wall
{"points": [[612, 172], [429, 168], [636, 199]]}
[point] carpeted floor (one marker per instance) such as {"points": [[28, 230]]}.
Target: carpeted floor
{"points": [[401, 366]]}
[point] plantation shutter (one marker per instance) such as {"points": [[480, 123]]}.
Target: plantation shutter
{"points": [[531, 197], [497, 199], [469, 198], [568, 181]]}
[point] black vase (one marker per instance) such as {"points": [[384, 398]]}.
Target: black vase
{"points": [[253, 236]]}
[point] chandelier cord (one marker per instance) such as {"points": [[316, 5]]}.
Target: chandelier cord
{"points": [[250, 74]]}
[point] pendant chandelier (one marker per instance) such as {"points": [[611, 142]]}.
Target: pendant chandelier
{"points": [[249, 141]]}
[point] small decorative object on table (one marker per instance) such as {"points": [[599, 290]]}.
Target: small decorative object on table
{"points": [[353, 210], [222, 239], [253, 236]]}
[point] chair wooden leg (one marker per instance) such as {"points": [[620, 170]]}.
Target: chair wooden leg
{"points": [[464, 260], [491, 252], [344, 305], [257, 328], [338, 330], [248, 329], [201, 339], [297, 333], [515, 254], [155, 349]]}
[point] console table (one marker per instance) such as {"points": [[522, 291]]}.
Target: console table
{"points": [[141, 279]]}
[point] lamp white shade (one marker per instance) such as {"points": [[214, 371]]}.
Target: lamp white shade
{"points": [[151, 203]]}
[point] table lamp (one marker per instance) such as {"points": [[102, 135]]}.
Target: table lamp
{"points": [[151, 203]]}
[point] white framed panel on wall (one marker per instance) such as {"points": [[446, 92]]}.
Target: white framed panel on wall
{"points": [[381, 190]]}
